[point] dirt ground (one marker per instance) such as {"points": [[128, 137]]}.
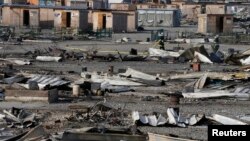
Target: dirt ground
{"points": [[129, 101]]}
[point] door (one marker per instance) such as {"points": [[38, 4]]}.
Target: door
{"points": [[100, 21], [104, 22], [64, 19], [221, 24], [68, 19], [26, 17]]}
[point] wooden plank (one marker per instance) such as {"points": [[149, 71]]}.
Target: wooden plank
{"points": [[31, 95], [64, 19], [100, 21]]}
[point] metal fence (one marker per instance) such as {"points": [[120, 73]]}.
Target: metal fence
{"points": [[104, 33]]}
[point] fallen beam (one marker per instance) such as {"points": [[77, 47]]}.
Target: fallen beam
{"points": [[157, 137], [50, 96], [226, 120]]}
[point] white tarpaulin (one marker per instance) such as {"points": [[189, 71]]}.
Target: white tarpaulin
{"points": [[18, 61], [245, 61], [137, 74], [153, 52], [48, 58], [202, 58], [226, 120]]}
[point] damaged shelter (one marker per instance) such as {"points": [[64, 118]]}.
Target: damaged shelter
{"points": [[118, 21], [215, 23], [159, 17]]}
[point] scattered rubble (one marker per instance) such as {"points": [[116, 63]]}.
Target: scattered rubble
{"points": [[19, 118], [99, 89]]}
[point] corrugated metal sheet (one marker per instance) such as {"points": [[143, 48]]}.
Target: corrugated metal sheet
{"points": [[48, 80]]}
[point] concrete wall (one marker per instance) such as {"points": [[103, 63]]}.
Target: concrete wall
{"points": [[77, 3], [75, 19], [122, 6], [202, 24], [132, 21], [46, 18], [191, 11], [6, 16], [97, 20], [15, 1], [34, 17], [215, 9], [57, 19], [179, 3]]}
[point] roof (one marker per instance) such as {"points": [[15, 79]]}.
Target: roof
{"points": [[36, 6], [215, 15], [155, 9]]}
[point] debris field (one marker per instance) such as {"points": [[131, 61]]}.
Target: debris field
{"points": [[121, 88]]}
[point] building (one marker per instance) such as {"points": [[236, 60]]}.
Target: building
{"points": [[77, 4], [46, 20], [71, 18], [15, 1], [159, 17], [118, 21], [96, 4], [20, 15], [216, 8], [155, 6], [191, 11], [122, 6], [44, 16], [215, 23]]}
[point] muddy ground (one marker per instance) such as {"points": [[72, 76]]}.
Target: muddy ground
{"points": [[131, 100]]}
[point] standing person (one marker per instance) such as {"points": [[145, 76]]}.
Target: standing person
{"points": [[161, 44]]}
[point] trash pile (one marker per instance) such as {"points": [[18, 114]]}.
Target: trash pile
{"points": [[19, 118], [102, 114]]}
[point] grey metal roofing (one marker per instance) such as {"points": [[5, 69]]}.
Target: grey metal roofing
{"points": [[48, 80]]}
